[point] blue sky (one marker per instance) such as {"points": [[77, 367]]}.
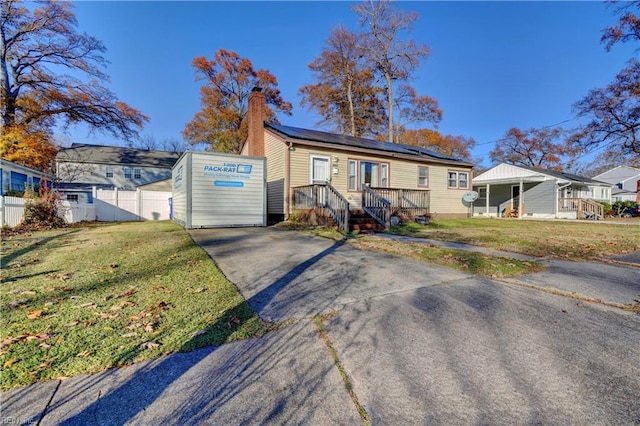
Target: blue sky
{"points": [[493, 65]]}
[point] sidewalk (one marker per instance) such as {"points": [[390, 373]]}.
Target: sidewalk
{"points": [[285, 377]]}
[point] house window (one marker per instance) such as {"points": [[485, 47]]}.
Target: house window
{"points": [[127, 172], [369, 173], [423, 176], [352, 176], [384, 178], [137, 173], [109, 171], [458, 180], [72, 197], [482, 193]]}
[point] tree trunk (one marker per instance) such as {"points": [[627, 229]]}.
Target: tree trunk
{"points": [[352, 117], [390, 104]]}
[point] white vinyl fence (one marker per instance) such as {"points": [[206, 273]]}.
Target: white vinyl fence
{"points": [[108, 206], [11, 211]]}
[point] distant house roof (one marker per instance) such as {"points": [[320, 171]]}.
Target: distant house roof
{"points": [[303, 136], [99, 154], [510, 173]]}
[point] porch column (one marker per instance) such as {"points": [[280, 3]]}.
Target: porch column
{"points": [[486, 202], [520, 211]]}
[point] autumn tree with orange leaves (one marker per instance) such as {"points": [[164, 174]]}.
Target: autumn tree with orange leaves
{"points": [[542, 148], [229, 79], [35, 46], [452, 146]]}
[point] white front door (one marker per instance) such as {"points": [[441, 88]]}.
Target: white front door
{"points": [[319, 170]]}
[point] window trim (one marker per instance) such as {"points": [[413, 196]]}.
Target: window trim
{"points": [[137, 173], [457, 179], [357, 162], [128, 172], [108, 171], [426, 177]]}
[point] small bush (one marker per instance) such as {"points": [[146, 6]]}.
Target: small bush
{"points": [[41, 211]]}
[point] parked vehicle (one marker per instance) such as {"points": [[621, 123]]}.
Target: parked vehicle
{"points": [[630, 212]]}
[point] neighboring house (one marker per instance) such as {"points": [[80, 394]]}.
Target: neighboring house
{"points": [[519, 191], [14, 177], [113, 166], [626, 181], [319, 169]]}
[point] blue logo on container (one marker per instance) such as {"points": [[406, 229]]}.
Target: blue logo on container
{"points": [[244, 168], [234, 184]]}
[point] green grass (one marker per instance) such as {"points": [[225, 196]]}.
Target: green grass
{"points": [[565, 240], [81, 300], [467, 261]]}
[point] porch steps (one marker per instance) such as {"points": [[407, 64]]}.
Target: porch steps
{"points": [[362, 223]]}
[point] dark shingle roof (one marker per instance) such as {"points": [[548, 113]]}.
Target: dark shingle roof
{"points": [[567, 176], [98, 154], [355, 142]]}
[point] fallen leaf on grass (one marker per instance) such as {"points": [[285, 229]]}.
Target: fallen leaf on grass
{"points": [[91, 305], [197, 333], [134, 326], [84, 354], [72, 323], [9, 363], [127, 303], [60, 276], [149, 345], [130, 335], [34, 314], [150, 327], [15, 304], [107, 316], [113, 265]]}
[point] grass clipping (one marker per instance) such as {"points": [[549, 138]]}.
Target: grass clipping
{"points": [[82, 300]]}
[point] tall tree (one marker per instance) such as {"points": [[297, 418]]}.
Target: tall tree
{"points": [[412, 108], [35, 46], [29, 148], [453, 146], [345, 94], [540, 148], [391, 56], [614, 113], [222, 121], [626, 29]]}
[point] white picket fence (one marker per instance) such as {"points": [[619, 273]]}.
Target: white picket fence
{"points": [[108, 206]]}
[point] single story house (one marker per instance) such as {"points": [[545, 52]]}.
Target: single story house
{"points": [[16, 178], [626, 181], [342, 174], [507, 190], [113, 166]]}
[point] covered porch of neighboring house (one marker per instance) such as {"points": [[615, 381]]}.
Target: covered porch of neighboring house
{"points": [[380, 208], [536, 197]]}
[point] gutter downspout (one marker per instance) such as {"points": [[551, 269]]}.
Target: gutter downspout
{"points": [[558, 189], [287, 180]]}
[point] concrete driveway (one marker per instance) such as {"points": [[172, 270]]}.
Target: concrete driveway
{"points": [[420, 344], [426, 344]]}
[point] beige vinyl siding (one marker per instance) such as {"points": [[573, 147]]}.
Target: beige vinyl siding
{"points": [[275, 151], [402, 174]]}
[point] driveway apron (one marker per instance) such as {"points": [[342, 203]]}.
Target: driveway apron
{"points": [[422, 344]]}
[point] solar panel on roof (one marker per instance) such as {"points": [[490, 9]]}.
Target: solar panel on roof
{"points": [[320, 136]]}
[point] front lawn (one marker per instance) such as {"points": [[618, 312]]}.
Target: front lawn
{"points": [[81, 300], [566, 240]]}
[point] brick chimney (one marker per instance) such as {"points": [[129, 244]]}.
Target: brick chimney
{"points": [[255, 117]]}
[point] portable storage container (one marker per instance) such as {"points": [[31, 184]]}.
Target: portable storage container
{"points": [[219, 190]]}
